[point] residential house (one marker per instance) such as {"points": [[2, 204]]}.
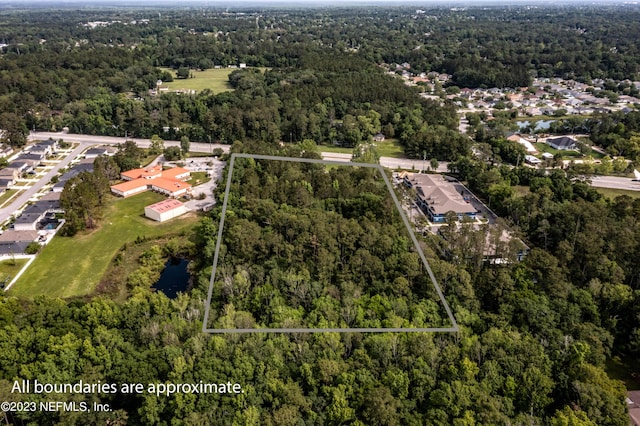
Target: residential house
{"points": [[378, 137], [522, 141], [7, 182], [33, 159], [45, 148], [563, 143], [97, 151], [53, 144], [31, 216], [5, 151], [530, 159], [19, 236], [21, 166], [82, 166], [29, 219], [9, 173], [40, 150], [10, 248]]}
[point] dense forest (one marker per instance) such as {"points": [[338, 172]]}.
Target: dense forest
{"points": [[58, 71], [310, 245]]}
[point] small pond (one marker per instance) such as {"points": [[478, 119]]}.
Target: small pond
{"points": [[174, 278]]}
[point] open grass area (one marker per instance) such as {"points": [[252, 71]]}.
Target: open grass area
{"points": [[216, 80], [540, 117], [388, 148], [8, 195], [338, 149], [147, 159], [9, 268], [613, 193], [69, 267], [568, 154], [198, 154], [198, 178]]}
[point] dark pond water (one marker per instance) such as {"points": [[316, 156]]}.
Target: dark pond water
{"points": [[174, 278]]}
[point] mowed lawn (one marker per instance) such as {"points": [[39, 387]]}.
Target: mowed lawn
{"points": [[73, 266], [388, 148], [613, 193], [217, 80], [10, 268]]}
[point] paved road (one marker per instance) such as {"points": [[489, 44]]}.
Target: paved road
{"points": [[390, 162], [615, 183], [87, 140], [214, 168], [393, 163], [18, 202]]}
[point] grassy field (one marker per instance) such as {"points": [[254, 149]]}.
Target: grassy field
{"points": [[388, 148], [198, 178], [69, 267], [7, 195], [214, 79], [543, 147], [613, 193], [198, 154], [9, 269], [566, 154]]}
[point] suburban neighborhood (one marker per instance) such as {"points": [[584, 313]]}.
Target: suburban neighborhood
{"points": [[34, 178]]}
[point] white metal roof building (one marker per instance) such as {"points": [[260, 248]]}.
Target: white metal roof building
{"points": [[165, 210]]}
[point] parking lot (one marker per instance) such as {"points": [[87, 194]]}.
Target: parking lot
{"points": [[213, 167]]}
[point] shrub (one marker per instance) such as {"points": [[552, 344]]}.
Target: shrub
{"points": [[33, 248]]}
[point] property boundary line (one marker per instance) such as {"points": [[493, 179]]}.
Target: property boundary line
{"points": [[453, 328], [31, 257]]}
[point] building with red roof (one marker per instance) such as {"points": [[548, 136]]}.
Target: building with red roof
{"points": [[170, 182]]}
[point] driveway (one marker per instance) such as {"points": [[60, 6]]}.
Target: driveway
{"points": [[213, 167]]}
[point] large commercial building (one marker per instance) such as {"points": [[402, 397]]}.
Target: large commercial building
{"points": [[436, 197], [170, 182]]}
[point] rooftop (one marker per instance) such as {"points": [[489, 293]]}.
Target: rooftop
{"points": [[147, 173], [11, 236], [12, 247], [439, 194], [130, 184], [28, 217], [169, 184], [165, 206], [174, 172]]}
